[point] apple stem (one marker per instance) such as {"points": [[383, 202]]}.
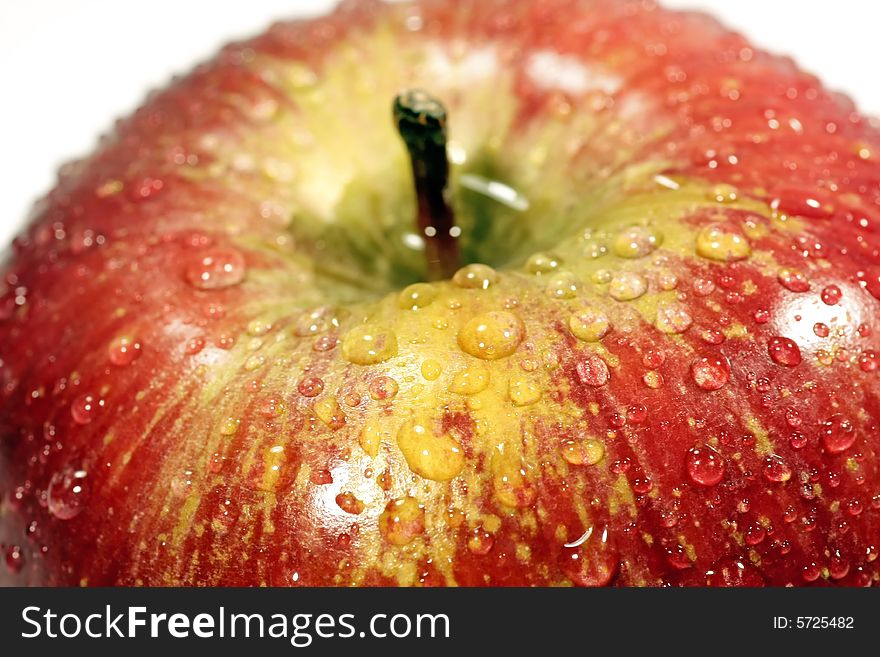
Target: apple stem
{"points": [[421, 122]]}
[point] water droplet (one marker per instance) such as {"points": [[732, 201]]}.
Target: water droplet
{"points": [[523, 390], [542, 263], [784, 351], [722, 243], [711, 372], [314, 321], [589, 325], [328, 411], [653, 379], [435, 457], [480, 541], [831, 295], [67, 493], [229, 426], [85, 407], [592, 560], [761, 316], [563, 286], [586, 451], [673, 317], [776, 469], [475, 277], [636, 242], [194, 346], [511, 486], [592, 370], [349, 503], [703, 287], [821, 330], [838, 434], [471, 380], [704, 466], [216, 269], [653, 359], [124, 351], [14, 559], [431, 369], [793, 280], [492, 335], [797, 440], [626, 286], [868, 361], [402, 521], [371, 437], [369, 344], [383, 388], [754, 535], [417, 295]]}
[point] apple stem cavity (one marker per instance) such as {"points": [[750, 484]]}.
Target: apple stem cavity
{"points": [[421, 122]]}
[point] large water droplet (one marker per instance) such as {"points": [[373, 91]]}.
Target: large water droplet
{"points": [[838, 434], [85, 407], [722, 243], [589, 324], [784, 351], [417, 295], [673, 317], [704, 466], [492, 335], [475, 277], [710, 372], [435, 457], [216, 269], [124, 351], [636, 242], [627, 285], [592, 370], [369, 344], [67, 493]]}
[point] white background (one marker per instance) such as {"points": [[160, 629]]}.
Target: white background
{"points": [[70, 67]]}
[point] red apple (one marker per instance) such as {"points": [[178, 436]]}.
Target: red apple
{"points": [[219, 366]]}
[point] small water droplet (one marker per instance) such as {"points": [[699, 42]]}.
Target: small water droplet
{"points": [[589, 325], [592, 370], [653, 359], [653, 379], [591, 560], [703, 287], [229, 427], [216, 269], [314, 321], [328, 411], [710, 372], [563, 285], [68, 492], [868, 361], [480, 542], [85, 407], [124, 351], [383, 388], [523, 390], [627, 286], [636, 242], [784, 351], [776, 469], [838, 434], [432, 456], [371, 437], [831, 295], [369, 344], [583, 451], [194, 346], [542, 263], [722, 243], [673, 318], [793, 280], [14, 559], [349, 503], [704, 466], [491, 335], [821, 330], [471, 380], [797, 440], [402, 521], [761, 316], [417, 295]]}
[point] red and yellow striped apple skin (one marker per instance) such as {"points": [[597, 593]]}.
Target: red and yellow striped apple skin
{"points": [[185, 392]]}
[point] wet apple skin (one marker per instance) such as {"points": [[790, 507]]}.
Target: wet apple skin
{"points": [[206, 463]]}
